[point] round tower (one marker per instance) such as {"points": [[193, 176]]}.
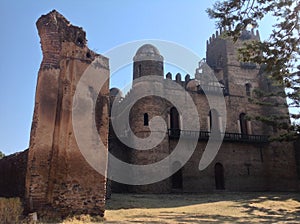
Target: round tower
{"points": [[147, 61]]}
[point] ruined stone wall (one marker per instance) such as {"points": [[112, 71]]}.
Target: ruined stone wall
{"points": [[58, 177], [12, 173]]}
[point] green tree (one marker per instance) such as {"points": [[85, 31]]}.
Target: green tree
{"points": [[278, 54], [1, 155]]}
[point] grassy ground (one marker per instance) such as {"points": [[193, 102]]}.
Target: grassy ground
{"points": [[220, 207]]}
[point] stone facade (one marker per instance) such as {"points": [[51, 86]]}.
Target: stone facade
{"points": [[53, 176], [58, 177], [246, 161]]}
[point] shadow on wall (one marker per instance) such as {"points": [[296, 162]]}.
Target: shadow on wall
{"points": [[12, 174]]}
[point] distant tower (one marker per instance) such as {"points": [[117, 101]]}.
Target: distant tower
{"points": [[222, 56], [147, 61]]}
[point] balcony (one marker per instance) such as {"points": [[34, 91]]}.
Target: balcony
{"points": [[228, 137], [211, 89]]}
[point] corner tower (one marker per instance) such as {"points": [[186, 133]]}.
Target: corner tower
{"points": [[147, 61], [222, 57]]}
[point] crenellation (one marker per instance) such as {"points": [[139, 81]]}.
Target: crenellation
{"points": [[53, 176], [178, 77], [169, 75], [234, 155]]}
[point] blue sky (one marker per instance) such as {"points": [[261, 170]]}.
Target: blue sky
{"points": [[108, 23]]}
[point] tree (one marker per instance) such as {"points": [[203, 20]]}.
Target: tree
{"points": [[1, 155], [278, 54]]}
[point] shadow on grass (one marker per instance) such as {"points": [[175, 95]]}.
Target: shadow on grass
{"points": [[252, 207]]}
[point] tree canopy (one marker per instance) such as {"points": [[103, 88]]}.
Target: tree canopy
{"points": [[280, 52], [1, 155]]}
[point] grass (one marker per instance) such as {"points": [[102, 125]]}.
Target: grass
{"points": [[220, 207], [10, 210]]}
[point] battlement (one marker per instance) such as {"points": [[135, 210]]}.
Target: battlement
{"points": [[196, 85], [245, 35]]}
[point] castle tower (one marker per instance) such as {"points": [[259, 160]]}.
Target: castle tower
{"points": [[222, 56], [240, 80], [147, 61]]}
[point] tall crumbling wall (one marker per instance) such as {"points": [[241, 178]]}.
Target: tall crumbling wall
{"points": [[58, 177]]}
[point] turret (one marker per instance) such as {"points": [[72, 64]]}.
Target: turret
{"points": [[147, 61]]}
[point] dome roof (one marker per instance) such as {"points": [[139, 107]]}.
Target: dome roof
{"points": [[115, 91], [148, 52]]}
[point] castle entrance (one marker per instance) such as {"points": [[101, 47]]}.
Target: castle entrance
{"points": [[219, 176], [177, 177]]}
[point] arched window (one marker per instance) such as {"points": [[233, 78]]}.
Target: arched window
{"points": [[139, 70], [174, 119], [219, 176], [146, 119], [243, 124], [214, 120], [174, 122], [248, 89]]}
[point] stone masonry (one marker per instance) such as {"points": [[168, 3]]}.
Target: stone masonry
{"points": [[58, 177], [246, 161], [53, 176]]}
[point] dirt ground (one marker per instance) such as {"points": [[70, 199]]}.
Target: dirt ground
{"points": [[221, 207]]}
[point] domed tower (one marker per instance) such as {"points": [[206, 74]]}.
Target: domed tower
{"points": [[147, 61]]}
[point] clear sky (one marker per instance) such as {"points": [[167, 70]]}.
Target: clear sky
{"points": [[108, 23]]}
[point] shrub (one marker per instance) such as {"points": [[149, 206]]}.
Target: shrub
{"points": [[10, 210]]}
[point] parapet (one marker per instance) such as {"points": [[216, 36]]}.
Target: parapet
{"points": [[245, 35]]}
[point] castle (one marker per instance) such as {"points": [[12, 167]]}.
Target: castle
{"points": [[52, 175], [246, 161]]}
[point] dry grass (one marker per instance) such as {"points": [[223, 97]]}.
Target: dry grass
{"points": [[222, 207], [10, 210], [204, 208]]}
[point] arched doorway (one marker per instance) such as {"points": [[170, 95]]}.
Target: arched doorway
{"points": [[177, 177], [219, 176], [243, 124]]}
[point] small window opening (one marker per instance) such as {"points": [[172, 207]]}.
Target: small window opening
{"points": [[248, 89], [243, 124], [88, 55], [139, 70], [146, 119], [79, 41]]}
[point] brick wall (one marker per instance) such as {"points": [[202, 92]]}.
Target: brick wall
{"points": [[58, 177], [12, 173]]}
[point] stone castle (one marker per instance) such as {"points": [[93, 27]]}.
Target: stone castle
{"points": [[52, 175]]}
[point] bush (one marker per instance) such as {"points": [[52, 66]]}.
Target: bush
{"points": [[10, 210]]}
